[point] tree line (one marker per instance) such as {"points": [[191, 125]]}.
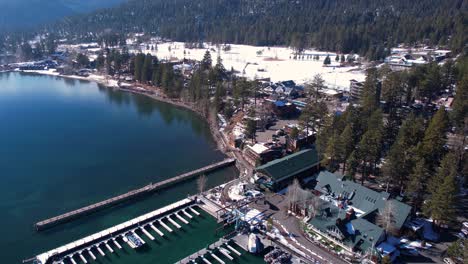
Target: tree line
{"points": [[404, 148], [366, 27]]}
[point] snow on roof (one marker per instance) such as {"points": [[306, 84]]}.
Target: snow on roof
{"points": [[253, 216], [258, 148]]}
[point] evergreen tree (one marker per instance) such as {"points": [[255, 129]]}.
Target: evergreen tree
{"points": [[206, 63], [432, 145], [459, 114], [327, 60], [369, 96], [342, 58], [370, 146], [400, 159], [334, 153], [82, 60], [100, 61], [417, 183], [139, 61], [219, 70], [349, 143], [337, 58], [147, 69], [443, 191]]}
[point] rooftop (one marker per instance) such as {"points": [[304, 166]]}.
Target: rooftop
{"points": [[290, 165]]}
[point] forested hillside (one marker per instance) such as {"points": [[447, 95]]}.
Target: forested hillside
{"points": [[20, 14], [363, 26]]}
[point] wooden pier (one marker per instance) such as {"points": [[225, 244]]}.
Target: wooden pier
{"points": [[130, 195]]}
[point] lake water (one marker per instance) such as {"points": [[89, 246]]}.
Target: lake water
{"points": [[68, 143]]}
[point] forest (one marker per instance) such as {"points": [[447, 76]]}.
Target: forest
{"points": [[367, 27]]}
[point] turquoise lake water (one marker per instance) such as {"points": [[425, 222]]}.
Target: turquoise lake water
{"points": [[68, 143]]}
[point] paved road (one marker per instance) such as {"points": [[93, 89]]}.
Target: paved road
{"points": [[277, 210]]}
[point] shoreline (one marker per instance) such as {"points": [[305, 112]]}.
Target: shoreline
{"points": [[217, 136]]}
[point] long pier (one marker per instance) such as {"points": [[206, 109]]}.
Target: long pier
{"points": [[130, 195]]}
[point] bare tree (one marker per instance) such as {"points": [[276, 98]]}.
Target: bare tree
{"points": [[201, 183], [386, 219], [298, 197], [314, 206]]}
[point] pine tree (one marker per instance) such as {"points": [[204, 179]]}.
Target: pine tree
{"points": [[139, 60], [460, 104], [347, 139], [369, 96], [337, 58], [206, 63], [417, 183], [100, 61], [443, 191], [432, 145], [400, 159], [147, 68], [370, 147], [327, 60], [334, 153], [82, 60], [342, 58]]}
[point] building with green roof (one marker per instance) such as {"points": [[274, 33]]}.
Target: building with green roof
{"points": [[349, 211], [280, 172]]}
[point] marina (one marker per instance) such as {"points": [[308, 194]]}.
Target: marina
{"points": [[126, 231], [142, 233]]}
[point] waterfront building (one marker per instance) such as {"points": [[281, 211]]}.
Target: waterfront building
{"points": [[280, 173]]}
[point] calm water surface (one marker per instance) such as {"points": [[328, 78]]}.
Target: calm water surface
{"points": [[67, 143]]}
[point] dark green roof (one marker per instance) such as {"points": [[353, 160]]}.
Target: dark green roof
{"points": [[290, 165], [365, 235], [361, 197], [368, 201]]}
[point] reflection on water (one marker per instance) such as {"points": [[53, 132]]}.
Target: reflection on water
{"points": [[68, 143]]}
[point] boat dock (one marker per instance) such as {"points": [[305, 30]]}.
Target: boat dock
{"points": [[215, 250], [107, 241], [130, 195]]}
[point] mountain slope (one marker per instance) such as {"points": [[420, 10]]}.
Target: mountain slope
{"points": [[364, 26], [19, 14]]}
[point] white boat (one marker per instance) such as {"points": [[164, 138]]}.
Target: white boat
{"points": [[253, 244]]}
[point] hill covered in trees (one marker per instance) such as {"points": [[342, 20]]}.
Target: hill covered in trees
{"points": [[367, 27], [20, 14]]}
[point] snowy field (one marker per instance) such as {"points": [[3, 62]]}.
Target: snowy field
{"points": [[276, 63]]}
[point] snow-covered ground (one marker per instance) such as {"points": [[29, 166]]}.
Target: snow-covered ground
{"points": [[276, 63]]}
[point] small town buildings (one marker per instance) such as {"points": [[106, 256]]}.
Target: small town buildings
{"points": [[260, 154], [303, 140], [279, 173], [353, 216]]}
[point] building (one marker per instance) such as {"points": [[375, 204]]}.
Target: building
{"points": [[259, 154], [349, 212], [280, 173], [355, 90]]}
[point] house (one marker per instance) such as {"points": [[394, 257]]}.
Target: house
{"points": [[349, 213], [279, 173], [284, 109]]}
